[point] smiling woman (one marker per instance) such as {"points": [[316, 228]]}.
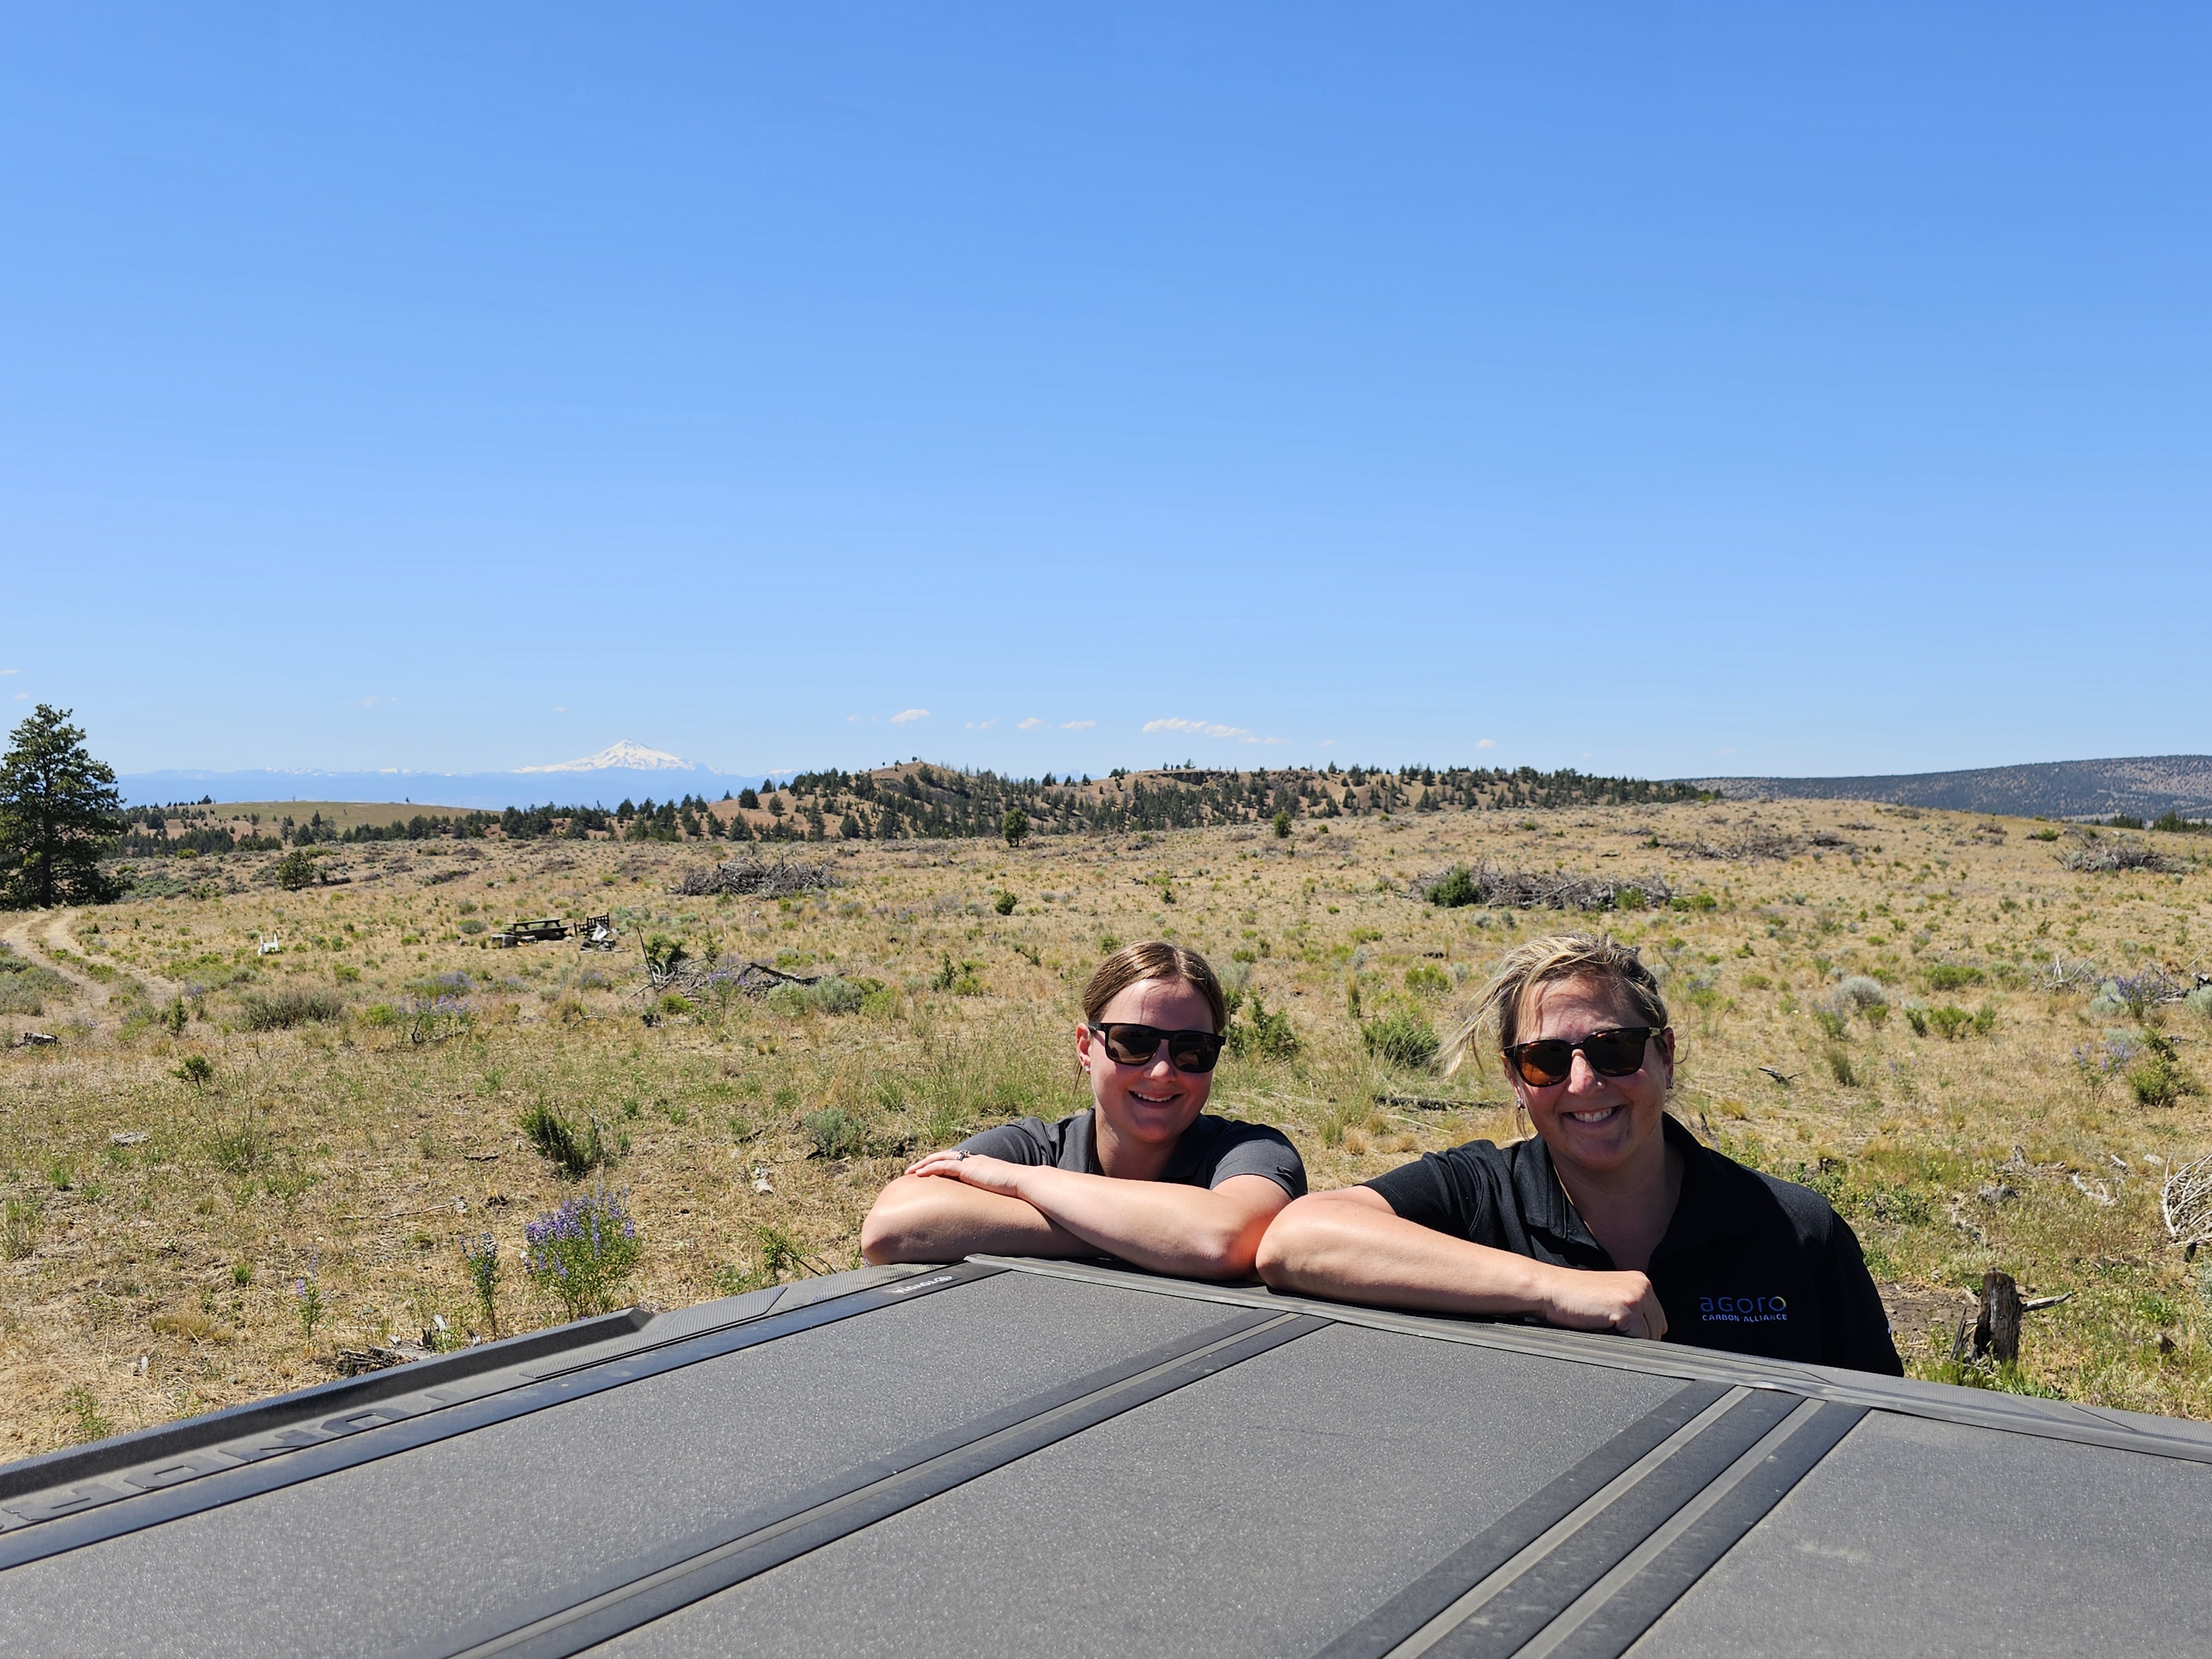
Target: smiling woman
{"points": [[1612, 1217], [1143, 1173]]}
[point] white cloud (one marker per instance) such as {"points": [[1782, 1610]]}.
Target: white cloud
{"points": [[905, 715], [1028, 725], [1208, 729], [982, 726], [1077, 726], [1486, 743], [1200, 728], [10, 671], [562, 710]]}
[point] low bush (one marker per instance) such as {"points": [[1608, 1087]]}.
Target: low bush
{"points": [[1951, 977], [835, 1132], [1256, 1033], [574, 1150], [280, 1011], [1950, 1021], [1402, 1037], [2157, 1078]]}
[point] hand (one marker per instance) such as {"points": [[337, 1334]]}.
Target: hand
{"points": [[992, 1175], [1620, 1302]]}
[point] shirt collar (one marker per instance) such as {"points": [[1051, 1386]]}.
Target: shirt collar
{"points": [[1544, 1203]]}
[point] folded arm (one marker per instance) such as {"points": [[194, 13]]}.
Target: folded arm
{"points": [[1351, 1246], [946, 1208]]}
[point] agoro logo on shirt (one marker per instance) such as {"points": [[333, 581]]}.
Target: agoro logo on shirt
{"points": [[1744, 1310]]}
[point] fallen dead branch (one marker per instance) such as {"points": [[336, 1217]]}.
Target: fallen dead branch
{"points": [[1755, 845], [2185, 1203], [2122, 852], [1543, 889], [698, 979], [758, 877]]}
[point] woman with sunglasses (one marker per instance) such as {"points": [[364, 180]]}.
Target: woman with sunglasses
{"points": [[1142, 1173], [1612, 1217]]}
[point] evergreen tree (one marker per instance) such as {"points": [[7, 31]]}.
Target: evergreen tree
{"points": [[59, 811]]}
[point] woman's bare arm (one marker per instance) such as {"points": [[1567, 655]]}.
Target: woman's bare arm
{"points": [[1351, 1246], [947, 1207]]}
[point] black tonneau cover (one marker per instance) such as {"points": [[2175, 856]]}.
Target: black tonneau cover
{"points": [[1013, 1456]]}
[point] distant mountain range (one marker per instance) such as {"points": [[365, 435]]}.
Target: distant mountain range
{"points": [[621, 770], [2148, 786]]}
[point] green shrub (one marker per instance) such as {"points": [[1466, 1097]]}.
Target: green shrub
{"points": [[1949, 1021], [1282, 822], [1839, 1066], [296, 869], [1254, 1031], [1402, 1037], [1692, 901], [1915, 1016], [2157, 1078], [280, 1011], [1004, 904], [1457, 889], [1951, 977], [195, 1069], [573, 1151], [378, 1015], [958, 978], [671, 1003]]}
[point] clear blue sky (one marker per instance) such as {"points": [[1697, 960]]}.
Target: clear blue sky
{"points": [[1666, 389]]}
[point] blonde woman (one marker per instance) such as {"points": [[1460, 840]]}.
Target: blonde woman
{"points": [[1143, 1173], [1611, 1217]]}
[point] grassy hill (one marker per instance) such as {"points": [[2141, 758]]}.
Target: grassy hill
{"points": [[2146, 786]]}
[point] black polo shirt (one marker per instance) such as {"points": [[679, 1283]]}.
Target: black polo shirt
{"points": [[1209, 1152], [1749, 1265]]}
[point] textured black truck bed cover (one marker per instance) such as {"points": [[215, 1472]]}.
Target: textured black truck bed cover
{"points": [[1006, 1457]]}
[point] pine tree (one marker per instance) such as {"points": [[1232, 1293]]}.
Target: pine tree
{"points": [[59, 812]]}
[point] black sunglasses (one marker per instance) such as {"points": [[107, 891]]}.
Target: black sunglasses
{"points": [[1610, 1054], [1135, 1045]]}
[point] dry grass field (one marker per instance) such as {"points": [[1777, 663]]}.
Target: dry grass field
{"points": [[158, 1227]]}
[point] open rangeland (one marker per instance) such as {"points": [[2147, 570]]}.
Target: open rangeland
{"points": [[1866, 998]]}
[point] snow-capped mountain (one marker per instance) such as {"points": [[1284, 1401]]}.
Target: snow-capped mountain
{"points": [[623, 757]]}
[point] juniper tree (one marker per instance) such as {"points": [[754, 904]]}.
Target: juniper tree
{"points": [[59, 812]]}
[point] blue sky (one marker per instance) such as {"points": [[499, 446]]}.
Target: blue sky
{"points": [[1666, 389]]}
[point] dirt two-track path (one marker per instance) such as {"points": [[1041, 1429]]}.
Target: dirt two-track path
{"points": [[28, 933]]}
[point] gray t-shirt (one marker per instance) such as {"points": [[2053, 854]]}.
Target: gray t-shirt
{"points": [[1211, 1150]]}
